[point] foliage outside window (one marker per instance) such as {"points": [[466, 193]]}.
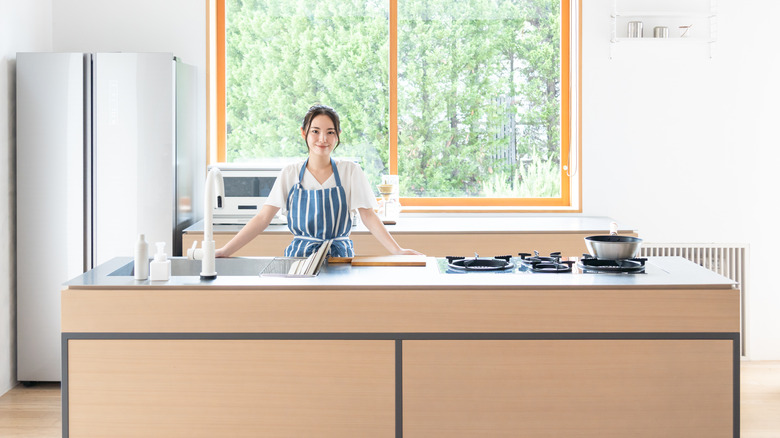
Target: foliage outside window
{"points": [[479, 90]]}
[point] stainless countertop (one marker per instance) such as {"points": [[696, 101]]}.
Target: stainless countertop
{"points": [[661, 272], [469, 224]]}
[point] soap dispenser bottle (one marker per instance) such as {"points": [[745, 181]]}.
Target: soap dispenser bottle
{"points": [[160, 267]]}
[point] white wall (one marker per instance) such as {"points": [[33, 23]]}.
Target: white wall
{"points": [[683, 147], [24, 26]]}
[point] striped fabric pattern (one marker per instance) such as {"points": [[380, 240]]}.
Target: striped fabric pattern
{"points": [[314, 216]]}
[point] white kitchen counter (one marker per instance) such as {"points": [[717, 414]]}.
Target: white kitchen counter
{"points": [[661, 272]]}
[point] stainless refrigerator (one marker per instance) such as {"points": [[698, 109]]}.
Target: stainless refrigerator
{"points": [[106, 149]]}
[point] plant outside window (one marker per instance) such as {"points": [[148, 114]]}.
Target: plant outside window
{"points": [[478, 90]]}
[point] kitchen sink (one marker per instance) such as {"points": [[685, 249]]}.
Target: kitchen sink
{"points": [[236, 266]]}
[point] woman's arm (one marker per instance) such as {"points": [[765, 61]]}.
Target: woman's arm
{"points": [[377, 228], [255, 226]]}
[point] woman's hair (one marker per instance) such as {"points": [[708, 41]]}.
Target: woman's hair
{"points": [[317, 110]]}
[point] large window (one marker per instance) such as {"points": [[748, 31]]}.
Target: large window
{"points": [[468, 102]]}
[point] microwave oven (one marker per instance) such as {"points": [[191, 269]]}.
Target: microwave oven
{"points": [[247, 186]]}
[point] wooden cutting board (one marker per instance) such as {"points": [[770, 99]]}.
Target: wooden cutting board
{"points": [[389, 260], [332, 260]]}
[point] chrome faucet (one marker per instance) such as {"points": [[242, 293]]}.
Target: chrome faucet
{"points": [[215, 195]]}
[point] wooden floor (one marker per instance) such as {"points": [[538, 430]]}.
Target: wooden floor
{"points": [[31, 412], [35, 412], [760, 399]]}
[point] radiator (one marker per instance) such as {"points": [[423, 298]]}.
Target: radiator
{"points": [[728, 260]]}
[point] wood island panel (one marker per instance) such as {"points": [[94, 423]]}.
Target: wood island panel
{"points": [[430, 244], [400, 310], [571, 388], [231, 388]]}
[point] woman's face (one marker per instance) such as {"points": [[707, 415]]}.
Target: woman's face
{"points": [[322, 136]]}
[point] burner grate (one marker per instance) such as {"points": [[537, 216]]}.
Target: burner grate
{"points": [[477, 263], [589, 263], [551, 264]]}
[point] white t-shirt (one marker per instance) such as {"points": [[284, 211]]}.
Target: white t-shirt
{"points": [[354, 181]]}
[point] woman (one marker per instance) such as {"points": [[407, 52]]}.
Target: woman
{"points": [[318, 196]]}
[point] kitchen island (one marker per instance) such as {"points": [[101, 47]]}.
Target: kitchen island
{"points": [[403, 351]]}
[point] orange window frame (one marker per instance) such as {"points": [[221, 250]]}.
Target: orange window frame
{"points": [[437, 204]]}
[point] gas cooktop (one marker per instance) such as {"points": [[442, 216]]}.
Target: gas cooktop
{"points": [[527, 263]]}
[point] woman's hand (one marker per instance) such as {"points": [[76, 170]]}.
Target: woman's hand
{"points": [[221, 253]]}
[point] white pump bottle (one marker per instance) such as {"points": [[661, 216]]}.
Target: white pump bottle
{"points": [[160, 267], [141, 259]]}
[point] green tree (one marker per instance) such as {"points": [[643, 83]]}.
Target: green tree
{"points": [[478, 88], [480, 91], [283, 57]]}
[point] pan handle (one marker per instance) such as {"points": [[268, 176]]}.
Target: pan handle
{"points": [[613, 229]]}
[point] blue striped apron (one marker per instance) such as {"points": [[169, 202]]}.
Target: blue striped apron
{"points": [[314, 216]]}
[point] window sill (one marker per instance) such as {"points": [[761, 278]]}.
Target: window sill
{"points": [[500, 210]]}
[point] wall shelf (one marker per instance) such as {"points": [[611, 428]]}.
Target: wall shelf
{"points": [[702, 24]]}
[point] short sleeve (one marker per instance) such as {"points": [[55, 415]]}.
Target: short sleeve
{"points": [[360, 193], [287, 178]]}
